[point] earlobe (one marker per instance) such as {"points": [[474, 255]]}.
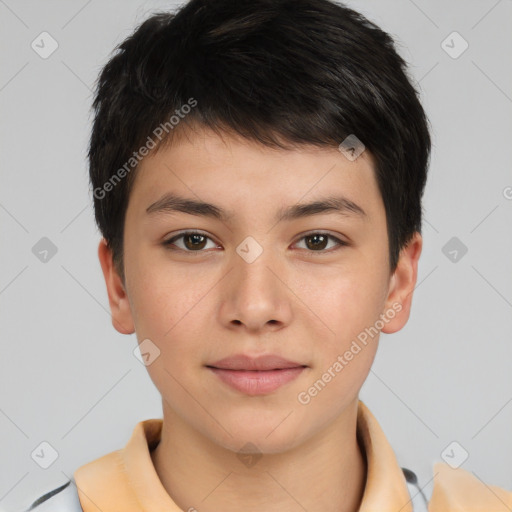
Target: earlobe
{"points": [[119, 305], [402, 285]]}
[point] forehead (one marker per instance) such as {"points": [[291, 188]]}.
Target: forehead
{"points": [[239, 174]]}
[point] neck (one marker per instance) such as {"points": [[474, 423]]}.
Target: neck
{"points": [[326, 473]]}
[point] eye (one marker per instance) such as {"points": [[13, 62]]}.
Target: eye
{"points": [[195, 241], [317, 242]]}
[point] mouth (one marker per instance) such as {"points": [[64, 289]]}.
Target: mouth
{"points": [[245, 362], [256, 375]]}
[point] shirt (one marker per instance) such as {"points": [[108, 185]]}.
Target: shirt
{"points": [[126, 480]]}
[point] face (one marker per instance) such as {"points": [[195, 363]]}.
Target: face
{"points": [[257, 276]]}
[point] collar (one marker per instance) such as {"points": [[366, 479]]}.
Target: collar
{"points": [[126, 479]]}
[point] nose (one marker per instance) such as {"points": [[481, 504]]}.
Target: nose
{"points": [[256, 297]]}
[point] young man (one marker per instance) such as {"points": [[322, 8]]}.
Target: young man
{"points": [[257, 169]]}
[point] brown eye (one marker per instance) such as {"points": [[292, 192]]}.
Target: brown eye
{"points": [[317, 242], [194, 241], [191, 241]]}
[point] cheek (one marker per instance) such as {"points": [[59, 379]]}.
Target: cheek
{"points": [[172, 308], [168, 310], [344, 302], [349, 305], [164, 298], [350, 308]]}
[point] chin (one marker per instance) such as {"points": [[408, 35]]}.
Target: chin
{"points": [[259, 438]]}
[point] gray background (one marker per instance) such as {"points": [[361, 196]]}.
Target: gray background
{"points": [[68, 378]]}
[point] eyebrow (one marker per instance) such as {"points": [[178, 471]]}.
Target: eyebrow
{"points": [[170, 203]]}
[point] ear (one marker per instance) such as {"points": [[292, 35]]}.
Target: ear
{"points": [[119, 305], [402, 285]]}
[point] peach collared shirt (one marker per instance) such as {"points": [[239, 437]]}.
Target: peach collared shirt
{"points": [[125, 480]]}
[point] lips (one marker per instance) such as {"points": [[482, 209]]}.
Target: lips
{"points": [[256, 375], [260, 363]]}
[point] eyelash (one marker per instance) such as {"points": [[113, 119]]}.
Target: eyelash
{"points": [[168, 243]]}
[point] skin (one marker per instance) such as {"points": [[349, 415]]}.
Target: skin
{"points": [[293, 300]]}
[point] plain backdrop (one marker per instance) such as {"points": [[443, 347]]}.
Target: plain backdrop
{"points": [[69, 379]]}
